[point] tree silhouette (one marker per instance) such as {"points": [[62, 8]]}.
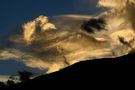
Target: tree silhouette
{"points": [[25, 75], [10, 82], [2, 84]]}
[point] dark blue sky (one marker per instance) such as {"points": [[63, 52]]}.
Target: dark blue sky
{"points": [[15, 12], [11, 67]]}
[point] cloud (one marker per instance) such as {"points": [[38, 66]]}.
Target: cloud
{"points": [[46, 48], [31, 27], [10, 54], [29, 30], [55, 49]]}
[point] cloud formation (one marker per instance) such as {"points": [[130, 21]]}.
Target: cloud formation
{"points": [[51, 48], [30, 28]]}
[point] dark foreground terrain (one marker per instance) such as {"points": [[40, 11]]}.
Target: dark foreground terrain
{"points": [[115, 70]]}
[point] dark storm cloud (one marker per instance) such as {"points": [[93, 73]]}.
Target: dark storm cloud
{"points": [[93, 25]]}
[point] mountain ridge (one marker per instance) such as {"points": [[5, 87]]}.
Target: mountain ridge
{"points": [[107, 70]]}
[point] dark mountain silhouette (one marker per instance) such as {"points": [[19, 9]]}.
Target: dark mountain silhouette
{"points": [[98, 71]]}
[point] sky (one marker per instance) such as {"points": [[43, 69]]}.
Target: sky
{"points": [[13, 13]]}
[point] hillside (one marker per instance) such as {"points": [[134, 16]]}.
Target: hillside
{"points": [[95, 71]]}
